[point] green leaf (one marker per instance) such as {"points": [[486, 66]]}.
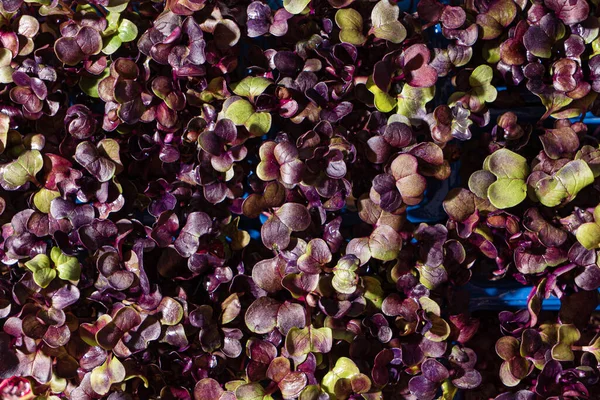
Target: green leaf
{"points": [[43, 198], [251, 86], [89, 84], [385, 243], [566, 183], [112, 20], [230, 308], [439, 331], [128, 31], [6, 74], [117, 6], [554, 102], [110, 148], [507, 378], [42, 270], [373, 291], [594, 348], [239, 111], [321, 340], [480, 181], [258, 124], [216, 89], [588, 235], [233, 385], [5, 57], [430, 306], [350, 23], [345, 278], [301, 341], [568, 335], [550, 192], [481, 76], [105, 375], [507, 164], [574, 176], [480, 81], [251, 391], [344, 368], [432, 277], [4, 128], [68, 267], [507, 347], [383, 101], [506, 193], [491, 52], [577, 107], [40, 261], [412, 101], [310, 392], [295, 6], [297, 341], [448, 390], [597, 214], [6, 70], [591, 155], [510, 169], [42, 277], [23, 169], [385, 22], [111, 44]]}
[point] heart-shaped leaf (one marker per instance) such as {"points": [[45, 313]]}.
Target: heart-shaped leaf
{"points": [[251, 86], [412, 101], [299, 342], [383, 101], [344, 368], [43, 273], [104, 376], [564, 185], [350, 23], [68, 267], [384, 18], [23, 169], [510, 170], [568, 335], [295, 6], [480, 81], [239, 111]]}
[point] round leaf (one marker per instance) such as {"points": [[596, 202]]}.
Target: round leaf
{"points": [[239, 111], [261, 316], [23, 169], [295, 6], [68, 267], [350, 23], [251, 86], [128, 31]]}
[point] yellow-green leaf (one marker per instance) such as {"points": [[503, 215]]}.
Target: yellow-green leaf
{"points": [[43, 198], [258, 124], [23, 169], [42, 277], [350, 23], [68, 267], [295, 6], [239, 111], [40, 261], [105, 375], [128, 31], [251, 86]]}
